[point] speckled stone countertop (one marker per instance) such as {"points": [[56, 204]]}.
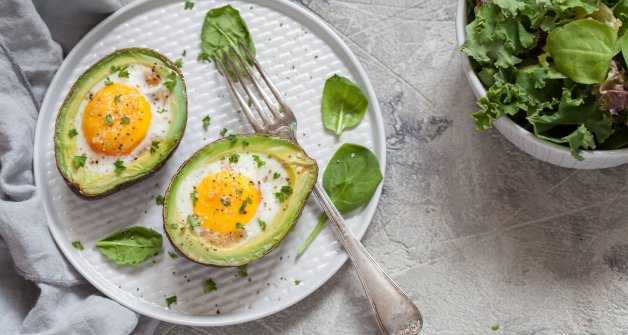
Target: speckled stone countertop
{"points": [[475, 231]]}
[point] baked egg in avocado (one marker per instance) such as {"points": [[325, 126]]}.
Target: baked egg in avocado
{"points": [[235, 199], [121, 120]]}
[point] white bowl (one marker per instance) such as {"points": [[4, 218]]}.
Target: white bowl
{"points": [[544, 150]]}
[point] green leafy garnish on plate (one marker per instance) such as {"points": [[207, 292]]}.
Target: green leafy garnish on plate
{"points": [[77, 245], [343, 104], [209, 286], [131, 245]]}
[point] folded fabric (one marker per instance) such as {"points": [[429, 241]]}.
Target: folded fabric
{"points": [[40, 292]]}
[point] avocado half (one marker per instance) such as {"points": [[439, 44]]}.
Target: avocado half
{"points": [[301, 169], [90, 185]]}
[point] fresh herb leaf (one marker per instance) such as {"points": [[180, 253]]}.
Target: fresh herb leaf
{"points": [[495, 327], [262, 223], [239, 226], [259, 161], [125, 120], [159, 200], [246, 202], [72, 132], [350, 179], [225, 201], [233, 159], [78, 245], [108, 119], [188, 5], [223, 131], [131, 245], [116, 98], [245, 143], [171, 300], [79, 161], [206, 122], [172, 80], [242, 272], [154, 146], [184, 53], [161, 110], [179, 62], [297, 282], [222, 30], [108, 82], [193, 221], [283, 193], [122, 71], [276, 175], [173, 255], [343, 104], [194, 197], [232, 138], [238, 191], [203, 57], [174, 226], [119, 164], [209, 286]]}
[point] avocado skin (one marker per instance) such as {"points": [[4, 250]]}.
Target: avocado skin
{"points": [[295, 220], [76, 188]]}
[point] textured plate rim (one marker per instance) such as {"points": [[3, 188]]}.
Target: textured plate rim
{"points": [[301, 15]]}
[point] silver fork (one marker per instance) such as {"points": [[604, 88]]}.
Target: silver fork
{"points": [[394, 311]]}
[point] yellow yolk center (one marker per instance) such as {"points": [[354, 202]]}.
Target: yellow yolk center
{"points": [[225, 199], [116, 120]]}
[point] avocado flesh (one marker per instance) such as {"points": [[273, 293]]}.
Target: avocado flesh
{"points": [[88, 184], [302, 172]]}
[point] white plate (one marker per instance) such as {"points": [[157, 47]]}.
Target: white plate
{"points": [[300, 52]]}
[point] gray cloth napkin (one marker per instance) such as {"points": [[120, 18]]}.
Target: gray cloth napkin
{"points": [[40, 292]]}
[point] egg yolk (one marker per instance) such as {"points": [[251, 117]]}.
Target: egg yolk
{"points": [[116, 120], [226, 199]]}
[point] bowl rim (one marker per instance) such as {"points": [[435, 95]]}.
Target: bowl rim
{"points": [[480, 91]]}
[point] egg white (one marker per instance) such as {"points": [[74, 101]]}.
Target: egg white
{"points": [[159, 123], [262, 177]]}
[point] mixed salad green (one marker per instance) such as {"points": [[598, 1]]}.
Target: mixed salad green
{"points": [[556, 67]]}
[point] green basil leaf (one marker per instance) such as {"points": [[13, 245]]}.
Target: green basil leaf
{"points": [[131, 245], [222, 30], [343, 105], [582, 50]]}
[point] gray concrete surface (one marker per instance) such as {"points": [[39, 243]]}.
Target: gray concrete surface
{"points": [[476, 232]]}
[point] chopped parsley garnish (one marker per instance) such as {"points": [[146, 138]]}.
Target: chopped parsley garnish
{"points": [[122, 71], [108, 82], [206, 122], [239, 226], [174, 226], [238, 191], [188, 4], [79, 161], [77, 245], [203, 56], [225, 201], [119, 166], [184, 53], [259, 161], [246, 202], [179, 62], [72, 132], [495, 327], [283, 193], [154, 146], [171, 300], [108, 119], [209, 286], [173, 255], [116, 98], [245, 143], [172, 80], [262, 224], [276, 175], [161, 111], [234, 158], [193, 221], [223, 131], [194, 196], [159, 200], [232, 138], [242, 271], [297, 282], [125, 120]]}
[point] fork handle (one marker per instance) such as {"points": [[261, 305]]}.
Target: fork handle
{"points": [[396, 314]]}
